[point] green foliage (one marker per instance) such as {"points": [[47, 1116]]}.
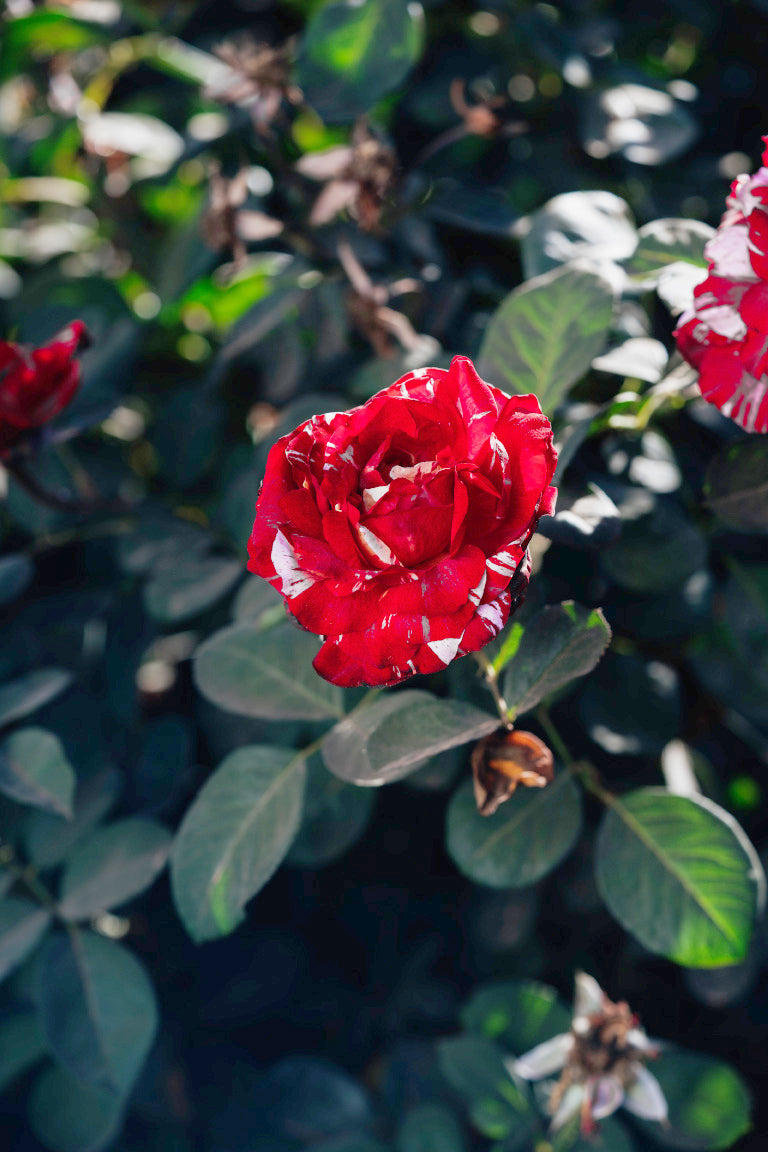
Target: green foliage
{"points": [[736, 485], [112, 865], [679, 873], [520, 843], [709, 1105], [234, 837], [34, 770], [546, 333], [22, 925], [518, 1015], [498, 1106]]}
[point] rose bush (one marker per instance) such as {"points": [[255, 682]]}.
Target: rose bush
{"points": [[399, 530], [725, 335], [36, 384]]}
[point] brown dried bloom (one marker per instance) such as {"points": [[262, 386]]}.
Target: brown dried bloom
{"points": [[357, 177], [369, 311], [225, 224], [601, 1062], [505, 759], [259, 78]]}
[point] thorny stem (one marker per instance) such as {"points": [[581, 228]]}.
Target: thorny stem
{"points": [[492, 681]]}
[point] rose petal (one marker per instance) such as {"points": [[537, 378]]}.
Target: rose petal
{"points": [[545, 1059], [644, 1097]]}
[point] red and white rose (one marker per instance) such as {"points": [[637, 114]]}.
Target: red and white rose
{"points": [[725, 335], [399, 530], [36, 383]]}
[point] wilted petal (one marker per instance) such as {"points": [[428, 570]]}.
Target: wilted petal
{"points": [[589, 996], [569, 1106], [607, 1095], [644, 1097], [545, 1059]]}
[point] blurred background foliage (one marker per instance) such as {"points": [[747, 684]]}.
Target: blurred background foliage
{"points": [[267, 210]]}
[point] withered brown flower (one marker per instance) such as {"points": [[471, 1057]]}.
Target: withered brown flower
{"points": [[505, 759], [357, 176], [259, 78]]}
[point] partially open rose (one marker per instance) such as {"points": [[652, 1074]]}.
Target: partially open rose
{"points": [[725, 335], [36, 383], [398, 531]]}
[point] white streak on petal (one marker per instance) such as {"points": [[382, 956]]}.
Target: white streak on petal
{"points": [[589, 996], [476, 593], [503, 563], [374, 546], [545, 1059], [294, 579], [644, 1098], [492, 615], [607, 1095], [445, 650], [372, 495]]}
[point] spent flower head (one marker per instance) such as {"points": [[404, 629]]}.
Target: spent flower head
{"points": [[601, 1063]]}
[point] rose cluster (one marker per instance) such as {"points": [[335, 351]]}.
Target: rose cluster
{"points": [[35, 384], [399, 531], [725, 335]]}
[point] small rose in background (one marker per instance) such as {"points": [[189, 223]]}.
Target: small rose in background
{"points": [[601, 1062], [37, 383], [725, 335], [399, 531]]}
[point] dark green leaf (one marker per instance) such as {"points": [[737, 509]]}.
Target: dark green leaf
{"points": [[34, 770], [354, 53], [22, 925], [560, 643], [657, 552], [16, 572], [112, 865], [28, 693], [611, 1136], [189, 586], [736, 485], [68, 1115], [391, 737], [98, 1009], [234, 837], [335, 816], [519, 1014], [545, 334], [680, 874], [265, 674], [524, 840], [594, 226], [47, 839], [709, 1103], [642, 717], [22, 1044], [258, 601], [498, 1107], [430, 1128]]}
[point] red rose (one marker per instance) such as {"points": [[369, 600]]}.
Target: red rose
{"points": [[398, 531], [35, 384], [725, 335]]}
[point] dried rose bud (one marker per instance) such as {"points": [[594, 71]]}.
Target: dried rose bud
{"points": [[505, 759], [358, 177], [260, 79]]}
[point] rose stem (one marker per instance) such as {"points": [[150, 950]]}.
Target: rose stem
{"points": [[491, 679]]}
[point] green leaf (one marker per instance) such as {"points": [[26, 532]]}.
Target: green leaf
{"points": [[665, 242], [268, 675], [353, 53], [29, 692], [519, 1014], [113, 865], [560, 643], [234, 837], [393, 736], [47, 839], [16, 571], [68, 1115], [189, 586], [335, 816], [34, 770], [594, 226], [736, 485], [545, 334], [610, 1136], [22, 1044], [656, 552], [98, 1009], [258, 601], [680, 874], [430, 1128], [709, 1103], [498, 1107], [22, 926], [524, 840], [640, 719]]}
